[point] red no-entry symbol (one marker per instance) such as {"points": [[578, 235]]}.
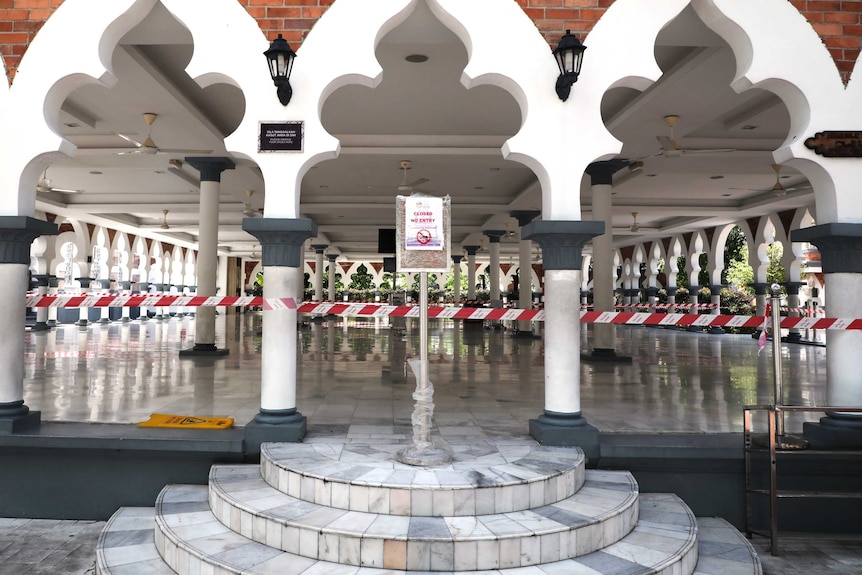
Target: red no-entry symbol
{"points": [[423, 237]]}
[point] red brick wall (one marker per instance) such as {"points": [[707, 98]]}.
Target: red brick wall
{"points": [[839, 22]]}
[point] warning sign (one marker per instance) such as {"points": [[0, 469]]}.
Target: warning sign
{"points": [[187, 422], [422, 232], [424, 221]]}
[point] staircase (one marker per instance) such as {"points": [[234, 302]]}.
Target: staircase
{"points": [[332, 506]]}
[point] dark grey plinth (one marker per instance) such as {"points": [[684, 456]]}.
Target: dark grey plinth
{"points": [[16, 424], [605, 355], [40, 326], [288, 426], [204, 350], [822, 435], [566, 430], [525, 334], [716, 330]]}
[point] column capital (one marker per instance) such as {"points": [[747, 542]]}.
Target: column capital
{"points": [[761, 288], [471, 250], [602, 173], [494, 235], [716, 289], [16, 235], [210, 168], [840, 245], [42, 280], [332, 257], [457, 259], [319, 248], [562, 242], [281, 239], [524, 217], [85, 282], [793, 287]]}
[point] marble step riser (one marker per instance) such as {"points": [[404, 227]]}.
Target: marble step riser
{"points": [[185, 561], [483, 551], [462, 501]]}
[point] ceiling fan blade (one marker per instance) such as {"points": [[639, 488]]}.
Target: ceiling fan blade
{"points": [[666, 143], [418, 182], [182, 151], [692, 151]]}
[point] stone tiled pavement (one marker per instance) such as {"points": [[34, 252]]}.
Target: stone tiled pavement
{"points": [[52, 547]]}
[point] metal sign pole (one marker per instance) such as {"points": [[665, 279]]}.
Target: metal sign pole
{"points": [[776, 355], [423, 347]]}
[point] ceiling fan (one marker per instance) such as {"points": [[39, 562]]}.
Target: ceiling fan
{"points": [[635, 226], [670, 148], [165, 225], [45, 185], [148, 147], [778, 188], [408, 187]]}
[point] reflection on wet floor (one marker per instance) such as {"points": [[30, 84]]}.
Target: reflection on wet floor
{"points": [[353, 373]]}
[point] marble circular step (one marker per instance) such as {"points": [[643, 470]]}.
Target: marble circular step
{"points": [[191, 541], [598, 515], [485, 477]]}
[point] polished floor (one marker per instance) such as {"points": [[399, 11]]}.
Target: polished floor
{"points": [[354, 372], [353, 377]]}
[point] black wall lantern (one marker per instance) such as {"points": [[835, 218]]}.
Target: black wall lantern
{"points": [[569, 55], [280, 58]]}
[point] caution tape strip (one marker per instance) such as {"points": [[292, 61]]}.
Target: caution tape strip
{"points": [[478, 313]]}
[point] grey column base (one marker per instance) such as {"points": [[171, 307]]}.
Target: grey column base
{"points": [[694, 328], [607, 355], [566, 430], [40, 326], [792, 338], [716, 330], [104, 321], [756, 334], [51, 323], [125, 320], [204, 350], [525, 335], [287, 426], [17, 419], [82, 322], [833, 433]]}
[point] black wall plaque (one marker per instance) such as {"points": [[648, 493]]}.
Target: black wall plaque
{"points": [[836, 144], [280, 137]]}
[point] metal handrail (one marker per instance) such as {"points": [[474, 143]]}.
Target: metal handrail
{"points": [[775, 414]]}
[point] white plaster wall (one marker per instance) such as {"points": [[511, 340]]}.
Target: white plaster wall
{"points": [[558, 139], [778, 50]]}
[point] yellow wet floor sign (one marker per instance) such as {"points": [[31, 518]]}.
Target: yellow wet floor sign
{"points": [[186, 422]]}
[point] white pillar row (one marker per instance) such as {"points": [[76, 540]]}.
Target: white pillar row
{"points": [[317, 284], [16, 235], [471, 271], [525, 265], [126, 288], [84, 312], [333, 271], [281, 243], [41, 324], [494, 267], [604, 334], [456, 279], [840, 246], [53, 289], [207, 259], [562, 422]]}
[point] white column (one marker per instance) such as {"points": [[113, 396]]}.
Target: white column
{"points": [[525, 264], [471, 271], [604, 334], [494, 268], [207, 260], [278, 343], [84, 312], [456, 279], [16, 235], [333, 271], [318, 272], [562, 341]]}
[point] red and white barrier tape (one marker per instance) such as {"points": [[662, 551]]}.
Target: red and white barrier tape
{"points": [[382, 310], [661, 306]]}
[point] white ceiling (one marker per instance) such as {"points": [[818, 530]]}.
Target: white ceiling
{"points": [[419, 112]]}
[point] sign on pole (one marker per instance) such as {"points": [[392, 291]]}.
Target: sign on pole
{"points": [[423, 225]]}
